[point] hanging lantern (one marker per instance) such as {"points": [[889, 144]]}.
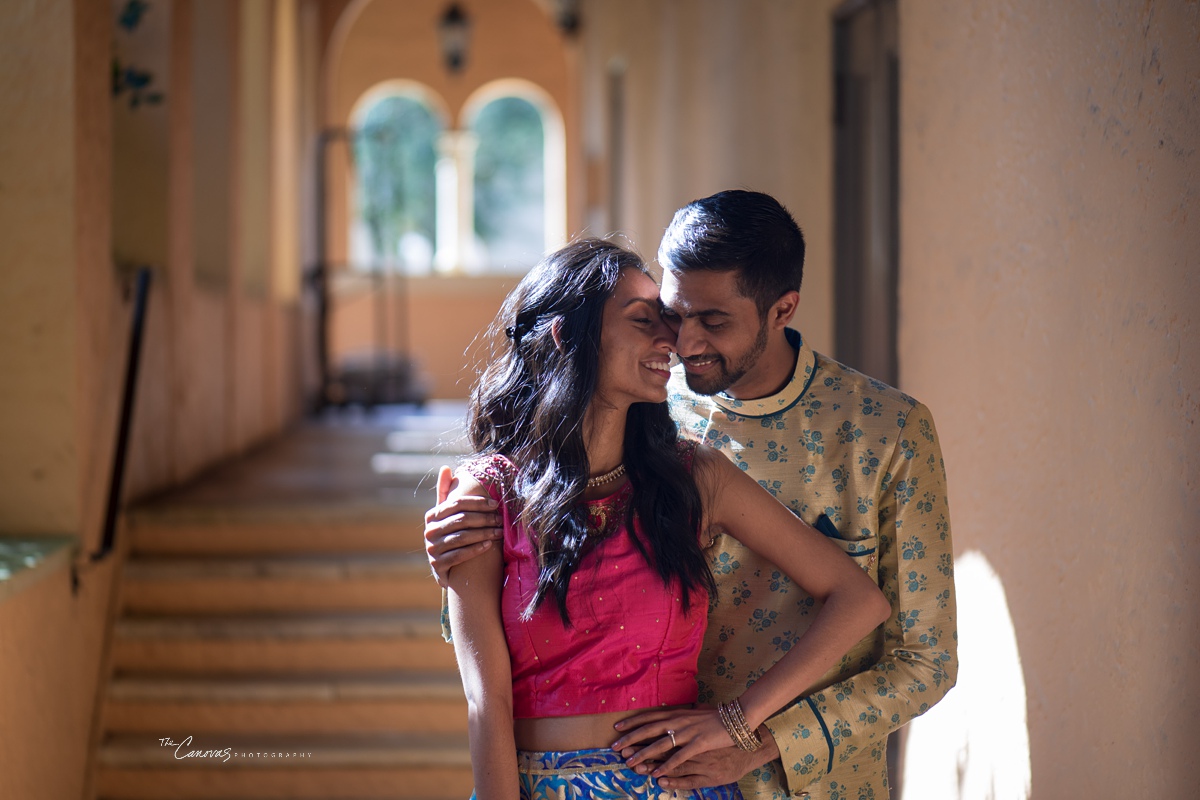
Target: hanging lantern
{"points": [[454, 32]]}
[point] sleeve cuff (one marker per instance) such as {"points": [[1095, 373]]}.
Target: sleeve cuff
{"points": [[805, 746], [445, 617]]}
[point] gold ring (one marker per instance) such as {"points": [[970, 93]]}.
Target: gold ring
{"points": [[672, 735]]}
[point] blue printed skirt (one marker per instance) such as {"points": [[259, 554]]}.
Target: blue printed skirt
{"points": [[598, 774]]}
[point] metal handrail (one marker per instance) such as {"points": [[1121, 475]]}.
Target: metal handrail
{"points": [[117, 477]]}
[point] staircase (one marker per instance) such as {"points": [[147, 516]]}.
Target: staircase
{"points": [[280, 613]]}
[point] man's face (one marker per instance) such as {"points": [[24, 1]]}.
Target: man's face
{"points": [[720, 332]]}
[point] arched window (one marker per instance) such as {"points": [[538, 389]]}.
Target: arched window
{"points": [[395, 137], [487, 197], [519, 185], [510, 190]]}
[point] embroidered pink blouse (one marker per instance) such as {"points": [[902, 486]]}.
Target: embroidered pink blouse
{"points": [[630, 646]]}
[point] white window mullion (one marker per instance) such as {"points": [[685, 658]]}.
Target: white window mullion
{"points": [[456, 202]]}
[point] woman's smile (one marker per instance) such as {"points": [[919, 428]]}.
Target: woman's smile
{"points": [[660, 367]]}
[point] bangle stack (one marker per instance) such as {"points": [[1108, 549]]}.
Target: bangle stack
{"points": [[734, 721]]}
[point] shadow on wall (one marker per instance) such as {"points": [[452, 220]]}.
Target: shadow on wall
{"points": [[974, 745]]}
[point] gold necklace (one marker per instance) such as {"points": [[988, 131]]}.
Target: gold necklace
{"points": [[607, 477]]}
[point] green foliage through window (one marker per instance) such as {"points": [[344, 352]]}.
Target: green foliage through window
{"points": [[510, 182], [395, 156]]}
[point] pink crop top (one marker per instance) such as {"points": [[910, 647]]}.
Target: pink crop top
{"points": [[630, 646]]}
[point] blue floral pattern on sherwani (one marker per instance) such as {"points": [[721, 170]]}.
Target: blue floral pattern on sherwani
{"points": [[859, 461]]}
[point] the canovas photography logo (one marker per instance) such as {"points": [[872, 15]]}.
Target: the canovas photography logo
{"points": [[187, 748]]}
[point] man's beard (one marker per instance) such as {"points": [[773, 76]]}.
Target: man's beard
{"points": [[725, 376]]}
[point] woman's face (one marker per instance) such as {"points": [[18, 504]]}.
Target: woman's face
{"points": [[635, 344]]}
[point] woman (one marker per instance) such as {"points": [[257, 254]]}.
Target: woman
{"points": [[595, 606]]}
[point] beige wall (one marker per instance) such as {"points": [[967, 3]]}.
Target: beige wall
{"points": [[425, 308], [375, 41], [719, 95], [56, 226], [38, 468], [89, 183], [255, 23], [50, 646], [205, 32], [221, 358], [1048, 316], [285, 151]]}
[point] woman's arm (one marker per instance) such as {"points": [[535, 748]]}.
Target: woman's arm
{"points": [[852, 606], [483, 661]]}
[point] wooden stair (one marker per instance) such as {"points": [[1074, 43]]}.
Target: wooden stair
{"points": [[299, 634]]}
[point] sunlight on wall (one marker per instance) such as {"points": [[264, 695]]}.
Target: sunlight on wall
{"points": [[974, 745]]}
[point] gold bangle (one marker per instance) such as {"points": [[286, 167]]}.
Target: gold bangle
{"points": [[751, 734], [736, 726], [739, 730], [730, 727], [750, 742]]}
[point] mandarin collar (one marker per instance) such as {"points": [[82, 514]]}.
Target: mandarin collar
{"points": [[785, 398]]}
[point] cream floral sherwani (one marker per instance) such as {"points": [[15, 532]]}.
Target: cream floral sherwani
{"points": [[860, 462]]}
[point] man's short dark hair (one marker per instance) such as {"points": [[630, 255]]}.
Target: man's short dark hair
{"points": [[750, 232]]}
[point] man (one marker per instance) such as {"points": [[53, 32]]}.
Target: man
{"points": [[853, 457]]}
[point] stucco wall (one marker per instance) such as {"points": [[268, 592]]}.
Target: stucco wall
{"points": [[38, 479], [1048, 316], [447, 352], [375, 41], [65, 218], [50, 645], [219, 372], [56, 227], [718, 95]]}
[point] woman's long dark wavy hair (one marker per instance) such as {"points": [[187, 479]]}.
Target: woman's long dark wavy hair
{"points": [[529, 405]]}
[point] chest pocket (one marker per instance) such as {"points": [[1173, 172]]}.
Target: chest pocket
{"points": [[863, 550]]}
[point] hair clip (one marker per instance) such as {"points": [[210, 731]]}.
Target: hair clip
{"points": [[517, 331]]}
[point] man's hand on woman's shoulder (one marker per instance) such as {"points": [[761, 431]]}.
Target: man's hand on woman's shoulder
{"points": [[459, 529]]}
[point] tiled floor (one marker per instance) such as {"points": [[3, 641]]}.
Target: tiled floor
{"points": [[342, 460]]}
